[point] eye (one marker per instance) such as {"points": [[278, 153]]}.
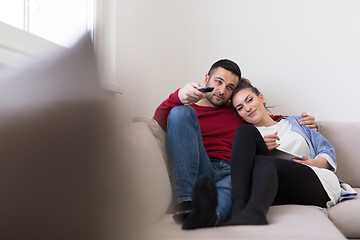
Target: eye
{"points": [[250, 99], [240, 108], [230, 88]]}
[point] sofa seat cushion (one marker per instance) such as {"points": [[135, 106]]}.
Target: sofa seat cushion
{"points": [[286, 222], [346, 216]]}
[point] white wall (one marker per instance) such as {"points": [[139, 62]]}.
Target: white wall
{"points": [[303, 55]]}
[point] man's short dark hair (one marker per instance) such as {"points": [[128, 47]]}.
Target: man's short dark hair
{"points": [[228, 65]]}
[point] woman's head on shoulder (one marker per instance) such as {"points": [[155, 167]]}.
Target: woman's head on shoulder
{"points": [[249, 102]]}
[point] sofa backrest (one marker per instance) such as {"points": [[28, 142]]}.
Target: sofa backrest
{"points": [[345, 138]]}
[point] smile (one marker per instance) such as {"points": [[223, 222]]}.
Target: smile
{"points": [[252, 113]]}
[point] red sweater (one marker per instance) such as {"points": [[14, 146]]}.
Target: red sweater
{"points": [[218, 125]]}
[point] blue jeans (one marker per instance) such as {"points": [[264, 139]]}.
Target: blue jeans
{"points": [[188, 160]]}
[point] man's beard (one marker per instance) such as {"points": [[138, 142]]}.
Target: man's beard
{"points": [[210, 97]]}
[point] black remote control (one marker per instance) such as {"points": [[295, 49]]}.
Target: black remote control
{"points": [[206, 89]]}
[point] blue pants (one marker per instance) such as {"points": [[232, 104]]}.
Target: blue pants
{"points": [[188, 160]]}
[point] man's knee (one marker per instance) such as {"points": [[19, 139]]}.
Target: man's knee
{"points": [[181, 111], [181, 114]]}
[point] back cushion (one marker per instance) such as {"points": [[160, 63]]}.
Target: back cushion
{"points": [[157, 132], [147, 169], [345, 138]]}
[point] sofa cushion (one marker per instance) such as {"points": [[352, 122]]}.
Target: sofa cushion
{"points": [[52, 134], [149, 176], [342, 137], [157, 132], [286, 222], [346, 216]]}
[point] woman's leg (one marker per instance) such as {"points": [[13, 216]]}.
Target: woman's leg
{"points": [[248, 143], [258, 179], [275, 178], [261, 193], [299, 184]]}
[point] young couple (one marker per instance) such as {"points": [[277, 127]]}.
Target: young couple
{"points": [[207, 136]]}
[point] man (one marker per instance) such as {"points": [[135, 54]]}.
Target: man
{"points": [[200, 131]]}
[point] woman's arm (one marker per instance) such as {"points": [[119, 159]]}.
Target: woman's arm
{"points": [[321, 146], [319, 162]]}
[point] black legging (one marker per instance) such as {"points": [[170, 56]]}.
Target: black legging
{"points": [[260, 180]]}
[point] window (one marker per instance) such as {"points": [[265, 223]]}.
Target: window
{"points": [[62, 22]]}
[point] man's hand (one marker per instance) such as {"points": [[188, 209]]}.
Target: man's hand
{"points": [[190, 93], [308, 120], [270, 141]]}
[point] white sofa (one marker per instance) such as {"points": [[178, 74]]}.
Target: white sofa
{"points": [[68, 171], [148, 166]]}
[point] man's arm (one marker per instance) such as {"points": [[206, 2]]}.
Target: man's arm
{"points": [[308, 120], [190, 93], [185, 95], [162, 111]]}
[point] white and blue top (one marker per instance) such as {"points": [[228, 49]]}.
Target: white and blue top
{"points": [[299, 140]]}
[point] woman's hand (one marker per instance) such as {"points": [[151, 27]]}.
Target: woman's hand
{"points": [[270, 141], [308, 120], [320, 162], [190, 93], [304, 160]]}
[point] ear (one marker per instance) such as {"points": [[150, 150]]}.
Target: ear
{"points": [[207, 78], [262, 98]]}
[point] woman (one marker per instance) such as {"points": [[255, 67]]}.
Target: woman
{"points": [[260, 180]]}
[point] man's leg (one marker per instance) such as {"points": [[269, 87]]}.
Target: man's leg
{"points": [[187, 157], [223, 185], [211, 201], [204, 199]]}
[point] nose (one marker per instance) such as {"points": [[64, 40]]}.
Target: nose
{"points": [[222, 89], [247, 108]]}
